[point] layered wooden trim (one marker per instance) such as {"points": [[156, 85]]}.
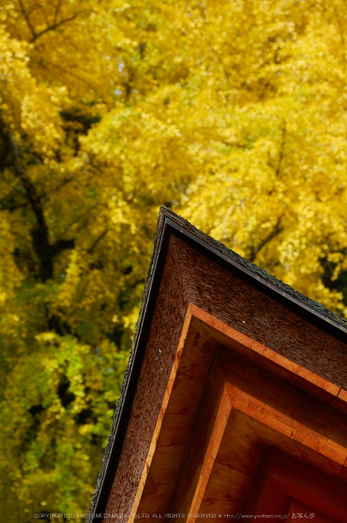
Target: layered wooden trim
{"points": [[168, 391], [270, 359], [221, 421], [190, 367], [287, 426], [213, 356], [207, 432], [284, 485], [283, 334]]}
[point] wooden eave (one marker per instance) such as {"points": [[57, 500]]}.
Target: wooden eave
{"points": [[223, 353]]}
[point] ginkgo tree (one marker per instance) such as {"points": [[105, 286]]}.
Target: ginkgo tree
{"points": [[233, 113]]}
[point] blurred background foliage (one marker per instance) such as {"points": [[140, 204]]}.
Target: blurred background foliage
{"points": [[231, 112]]}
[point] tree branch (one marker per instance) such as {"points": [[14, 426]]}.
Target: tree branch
{"points": [[98, 239], [85, 213], [280, 155], [27, 19], [13, 207], [275, 231], [56, 12], [39, 235], [56, 25], [60, 185]]}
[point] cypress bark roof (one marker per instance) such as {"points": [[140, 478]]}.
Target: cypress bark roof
{"points": [[169, 223]]}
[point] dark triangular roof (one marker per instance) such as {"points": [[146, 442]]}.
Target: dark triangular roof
{"points": [[170, 223]]}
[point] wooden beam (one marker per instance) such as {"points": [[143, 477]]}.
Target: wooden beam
{"points": [[287, 426], [220, 424], [160, 420], [208, 430], [245, 377], [177, 413], [281, 477], [271, 360]]}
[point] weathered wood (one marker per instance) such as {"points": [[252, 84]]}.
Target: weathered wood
{"points": [[172, 433], [221, 421], [207, 433], [177, 444], [159, 349], [239, 303], [287, 426], [241, 448], [227, 484], [266, 358], [163, 408], [281, 478]]}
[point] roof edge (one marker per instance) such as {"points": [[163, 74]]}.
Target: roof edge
{"points": [[247, 267], [167, 221]]}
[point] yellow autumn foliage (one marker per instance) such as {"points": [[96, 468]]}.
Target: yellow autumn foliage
{"points": [[230, 112]]}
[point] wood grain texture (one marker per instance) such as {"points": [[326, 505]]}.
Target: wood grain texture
{"points": [[206, 435], [286, 377], [222, 418], [239, 302], [183, 399], [159, 354]]}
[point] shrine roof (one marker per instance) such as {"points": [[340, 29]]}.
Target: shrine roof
{"points": [[170, 224]]}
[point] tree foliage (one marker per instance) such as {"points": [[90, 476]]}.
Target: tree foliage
{"points": [[233, 113]]}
